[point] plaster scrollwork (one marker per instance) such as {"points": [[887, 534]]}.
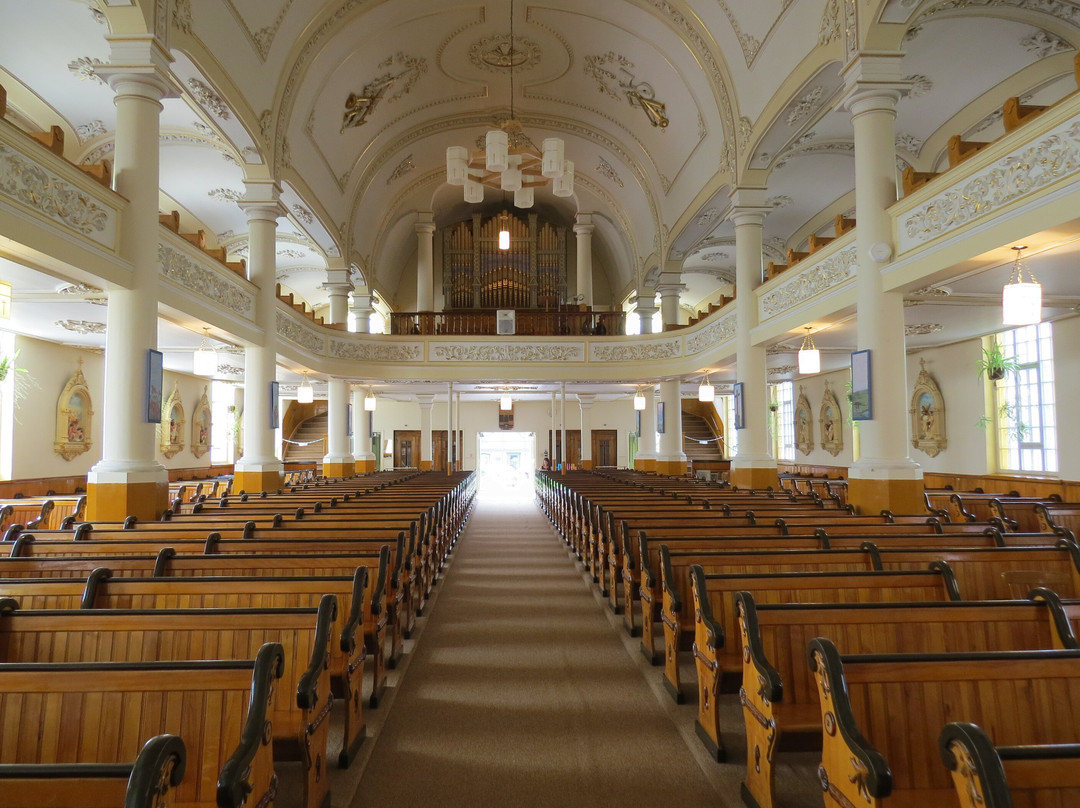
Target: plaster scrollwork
{"points": [[830, 23], [208, 99], [204, 282], [813, 280], [27, 183], [718, 333], [293, 331], [1036, 165], [636, 351], [376, 352], [509, 353]]}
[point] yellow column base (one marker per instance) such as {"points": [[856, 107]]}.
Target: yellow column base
{"points": [[644, 464], [338, 469], [673, 468], [425, 465], [115, 502], [754, 478], [898, 496], [365, 466], [255, 482], [586, 465]]}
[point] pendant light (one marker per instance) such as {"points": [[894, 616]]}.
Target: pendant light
{"points": [[305, 393], [369, 401], [1021, 301], [639, 400], [706, 392], [504, 231], [204, 360], [506, 403], [809, 355]]}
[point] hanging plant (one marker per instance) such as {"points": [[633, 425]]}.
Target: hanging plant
{"points": [[994, 364]]}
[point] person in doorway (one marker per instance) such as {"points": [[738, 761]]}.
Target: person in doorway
{"points": [[546, 465]]}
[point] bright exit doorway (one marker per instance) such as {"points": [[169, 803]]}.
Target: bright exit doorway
{"points": [[505, 463]]}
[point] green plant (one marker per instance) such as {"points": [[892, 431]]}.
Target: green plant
{"points": [[994, 364], [1007, 414]]}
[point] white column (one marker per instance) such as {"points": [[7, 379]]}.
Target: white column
{"points": [[645, 460], [583, 229], [337, 462], [586, 401], [128, 480], [259, 466], [554, 431], [669, 299], [754, 466], [338, 285], [646, 308], [363, 459], [671, 459], [426, 403], [450, 428], [361, 310], [874, 87], [425, 261], [562, 421]]}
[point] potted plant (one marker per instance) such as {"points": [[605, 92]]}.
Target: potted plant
{"points": [[995, 364]]}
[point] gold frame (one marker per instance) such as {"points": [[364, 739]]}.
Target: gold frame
{"points": [[804, 423], [831, 418], [172, 424], [927, 414], [201, 421], [74, 423]]}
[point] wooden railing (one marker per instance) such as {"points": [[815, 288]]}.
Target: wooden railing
{"points": [[527, 323]]}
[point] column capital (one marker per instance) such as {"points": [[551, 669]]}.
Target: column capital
{"points": [[583, 224], [425, 221], [138, 65], [426, 401], [670, 288], [262, 201], [873, 81], [747, 206], [586, 400]]}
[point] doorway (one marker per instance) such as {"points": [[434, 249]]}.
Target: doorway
{"points": [[504, 465]]}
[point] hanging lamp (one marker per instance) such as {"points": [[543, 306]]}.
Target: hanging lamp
{"points": [[204, 360], [639, 400], [369, 401], [1021, 301], [506, 403], [305, 393], [809, 355], [705, 391]]}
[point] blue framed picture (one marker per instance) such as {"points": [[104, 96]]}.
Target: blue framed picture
{"points": [[275, 404], [862, 402], [660, 418], [348, 420], [154, 383], [740, 412]]}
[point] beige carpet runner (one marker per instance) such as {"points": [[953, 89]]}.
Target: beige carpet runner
{"points": [[520, 692]]}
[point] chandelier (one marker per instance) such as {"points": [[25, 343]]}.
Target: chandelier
{"points": [[509, 161]]}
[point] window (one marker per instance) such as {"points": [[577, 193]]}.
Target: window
{"points": [[784, 421], [1024, 402], [726, 406], [223, 422]]}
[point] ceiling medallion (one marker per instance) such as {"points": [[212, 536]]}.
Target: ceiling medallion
{"points": [[358, 106], [500, 52]]}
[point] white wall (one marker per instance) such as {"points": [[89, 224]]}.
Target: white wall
{"points": [[814, 387], [1067, 394]]}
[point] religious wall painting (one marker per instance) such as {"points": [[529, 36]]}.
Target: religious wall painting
{"points": [[804, 425], [74, 417], [832, 422], [200, 426], [172, 424], [927, 414]]}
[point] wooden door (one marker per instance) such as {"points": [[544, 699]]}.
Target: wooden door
{"points": [[573, 444], [406, 448], [438, 450], [605, 447]]}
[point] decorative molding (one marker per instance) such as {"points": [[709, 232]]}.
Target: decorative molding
{"points": [[487, 352], [708, 218], [829, 29], [83, 69], [181, 16], [225, 195], [636, 351], [90, 129], [34, 186], [921, 329], [1014, 176], [403, 168], [909, 143], [1062, 10], [780, 201], [1041, 44], [723, 330], [302, 213], [204, 282], [82, 326], [833, 271], [291, 329], [208, 99], [605, 169], [376, 351], [264, 37], [497, 53], [919, 85], [359, 106], [782, 370], [927, 414], [639, 93], [804, 106]]}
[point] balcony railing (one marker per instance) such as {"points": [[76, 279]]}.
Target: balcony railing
{"points": [[527, 323]]}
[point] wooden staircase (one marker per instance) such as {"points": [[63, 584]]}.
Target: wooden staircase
{"points": [[310, 432], [696, 429]]}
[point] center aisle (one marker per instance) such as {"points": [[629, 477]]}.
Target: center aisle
{"points": [[520, 692]]}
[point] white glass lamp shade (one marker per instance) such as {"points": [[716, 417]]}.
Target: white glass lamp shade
{"points": [[504, 239], [497, 150], [1021, 303], [809, 360], [639, 401], [204, 361], [511, 179], [506, 403], [305, 393], [523, 197], [457, 165], [564, 185], [552, 164], [706, 392], [474, 192], [369, 403]]}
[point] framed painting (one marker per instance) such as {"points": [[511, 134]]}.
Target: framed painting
{"points": [[154, 372], [862, 399], [740, 412], [275, 404], [660, 418]]}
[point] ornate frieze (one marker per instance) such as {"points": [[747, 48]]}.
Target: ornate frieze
{"points": [[635, 351], [489, 352], [719, 332], [205, 282], [208, 99], [31, 185], [811, 281], [376, 351], [293, 330], [1012, 177]]}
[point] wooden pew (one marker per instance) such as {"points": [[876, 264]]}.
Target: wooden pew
{"points": [[102, 713], [1007, 776], [300, 707], [718, 660], [876, 751], [149, 782], [779, 696]]}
